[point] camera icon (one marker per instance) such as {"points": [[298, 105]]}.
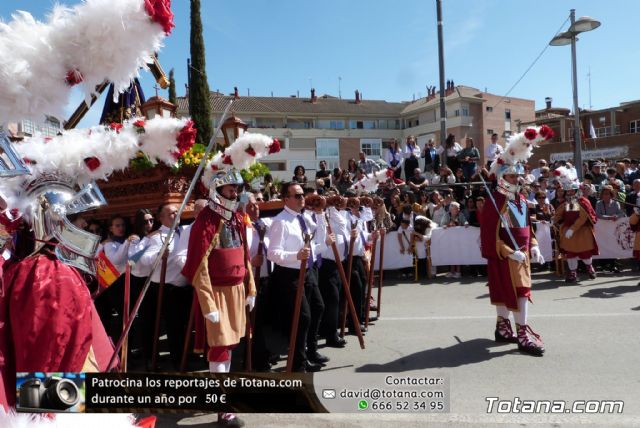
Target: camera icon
{"points": [[52, 394]]}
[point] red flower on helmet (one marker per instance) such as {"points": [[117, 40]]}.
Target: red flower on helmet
{"points": [[557, 173], [546, 132], [186, 137], [389, 172], [92, 163], [250, 151], [530, 134], [160, 12], [227, 160], [500, 161], [214, 167], [73, 77], [274, 147], [116, 127]]}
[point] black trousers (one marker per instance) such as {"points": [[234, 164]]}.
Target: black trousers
{"points": [[109, 305], [282, 287], [266, 340], [330, 286], [357, 289], [176, 310]]}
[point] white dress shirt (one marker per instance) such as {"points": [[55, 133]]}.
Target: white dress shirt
{"points": [[491, 152], [139, 269], [390, 156], [363, 236], [175, 260], [342, 230], [286, 238], [412, 151], [117, 254]]}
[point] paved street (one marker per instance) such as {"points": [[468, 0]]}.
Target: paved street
{"points": [[446, 328]]}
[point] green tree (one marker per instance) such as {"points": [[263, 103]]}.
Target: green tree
{"points": [[172, 88], [199, 105]]}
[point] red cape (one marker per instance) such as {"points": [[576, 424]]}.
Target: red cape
{"points": [[49, 317]]}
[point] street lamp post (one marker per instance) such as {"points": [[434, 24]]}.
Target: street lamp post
{"points": [[569, 37]]}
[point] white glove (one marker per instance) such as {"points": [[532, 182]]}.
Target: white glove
{"points": [[214, 317], [518, 256], [536, 255], [568, 234], [251, 302]]}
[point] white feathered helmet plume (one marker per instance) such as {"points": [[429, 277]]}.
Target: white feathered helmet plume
{"points": [[519, 149], [567, 178], [224, 168], [370, 183], [89, 43], [61, 165]]}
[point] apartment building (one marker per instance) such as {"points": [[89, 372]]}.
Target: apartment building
{"points": [[336, 130], [616, 129]]}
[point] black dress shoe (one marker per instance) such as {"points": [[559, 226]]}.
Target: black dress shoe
{"points": [[316, 357], [336, 342], [307, 367]]}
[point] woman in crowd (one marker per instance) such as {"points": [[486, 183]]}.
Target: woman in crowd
{"points": [[468, 159], [434, 200], [142, 329], [411, 155], [451, 219], [559, 198], [608, 208], [352, 168], [452, 149], [344, 183], [421, 206], [394, 158], [269, 189], [299, 175]]}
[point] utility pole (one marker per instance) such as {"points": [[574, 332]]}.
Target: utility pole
{"points": [[443, 114]]}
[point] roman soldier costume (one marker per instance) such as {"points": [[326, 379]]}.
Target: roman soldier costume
{"points": [[508, 243]]}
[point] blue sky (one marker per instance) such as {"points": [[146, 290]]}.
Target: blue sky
{"points": [[388, 50]]}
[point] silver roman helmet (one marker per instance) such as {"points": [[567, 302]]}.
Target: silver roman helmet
{"points": [[54, 198], [220, 179]]}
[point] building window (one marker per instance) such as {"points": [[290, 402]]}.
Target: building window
{"points": [[489, 109], [606, 131], [362, 124], [328, 149], [490, 132], [507, 114], [372, 147], [330, 124], [276, 166], [465, 111], [634, 126], [456, 113]]}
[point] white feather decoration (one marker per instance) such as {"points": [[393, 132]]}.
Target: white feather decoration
{"points": [[520, 147], [91, 154], [243, 153], [370, 183], [66, 420], [97, 39]]}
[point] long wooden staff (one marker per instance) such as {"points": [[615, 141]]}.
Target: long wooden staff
{"points": [[156, 330], [347, 293], [380, 274], [296, 309], [125, 315], [370, 281], [352, 242], [187, 335]]}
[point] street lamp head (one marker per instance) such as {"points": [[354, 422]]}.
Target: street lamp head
{"points": [[562, 39], [583, 24]]}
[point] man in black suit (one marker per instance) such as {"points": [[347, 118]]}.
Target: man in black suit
{"points": [[431, 156]]}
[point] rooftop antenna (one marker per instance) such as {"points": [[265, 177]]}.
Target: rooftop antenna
{"points": [[339, 87]]}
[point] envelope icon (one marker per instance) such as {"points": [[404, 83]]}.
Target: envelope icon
{"points": [[328, 393]]}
